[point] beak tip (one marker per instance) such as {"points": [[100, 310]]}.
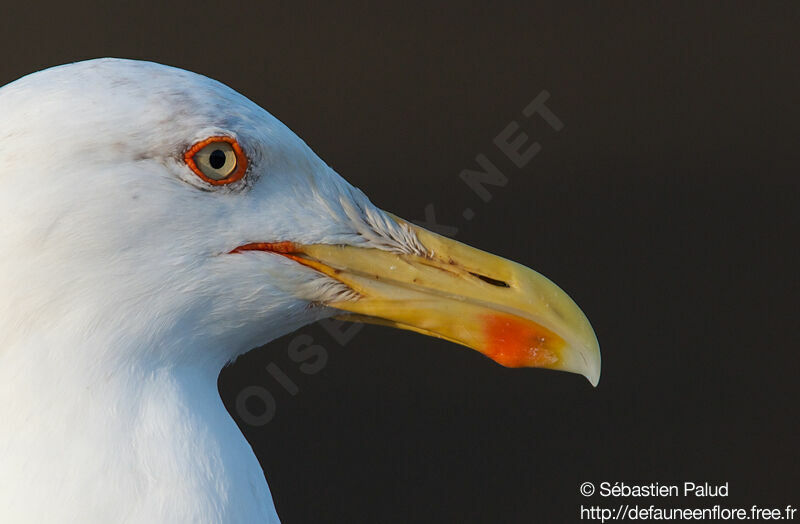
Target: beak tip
{"points": [[593, 373], [582, 354], [585, 360]]}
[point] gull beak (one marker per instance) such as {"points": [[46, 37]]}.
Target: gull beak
{"points": [[510, 313]]}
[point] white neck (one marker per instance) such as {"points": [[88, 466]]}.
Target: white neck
{"points": [[82, 442]]}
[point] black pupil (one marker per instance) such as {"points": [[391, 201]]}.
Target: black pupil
{"points": [[217, 159]]}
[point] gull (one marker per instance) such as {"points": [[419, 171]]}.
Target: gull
{"points": [[155, 225]]}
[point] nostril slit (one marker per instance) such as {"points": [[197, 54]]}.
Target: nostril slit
{"points": [[490, 280]]}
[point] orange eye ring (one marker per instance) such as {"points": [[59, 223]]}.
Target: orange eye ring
{"points": [[241, 160]]}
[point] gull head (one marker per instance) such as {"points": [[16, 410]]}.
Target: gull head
{"points": [[152, 213]]}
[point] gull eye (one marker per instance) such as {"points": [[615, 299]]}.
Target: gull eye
{"points": [[218, 160]]}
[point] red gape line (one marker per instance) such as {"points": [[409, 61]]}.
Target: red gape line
{"points": [[287, 249], [276, 247]]}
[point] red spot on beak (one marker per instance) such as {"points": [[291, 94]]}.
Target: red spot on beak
{"points": [[517, 342]]}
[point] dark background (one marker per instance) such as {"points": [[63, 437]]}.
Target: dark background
{"points": [[667, 207]]}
